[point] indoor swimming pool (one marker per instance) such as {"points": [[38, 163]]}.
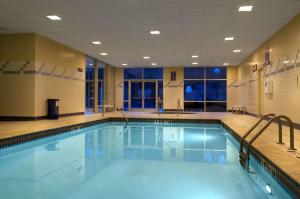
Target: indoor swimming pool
{"points": [[141, 160]]}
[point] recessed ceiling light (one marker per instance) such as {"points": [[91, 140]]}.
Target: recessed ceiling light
{"points": [[225, 64], [195, 63], [146, 57], [54, 18], [154, 64], [96, 42], [154, 32], [103, 54], [194, 56], [237, 51], [124, 64], [245, 8], [229, 38]]}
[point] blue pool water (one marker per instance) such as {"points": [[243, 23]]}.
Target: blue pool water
{"points": [[146, 161]]}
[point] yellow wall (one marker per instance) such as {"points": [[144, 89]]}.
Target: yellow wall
{"points": [[171, 91], [119, 84], [286, 94], [42, 69], [17, 90], [64, 82], [232, 92], [109, 85]]}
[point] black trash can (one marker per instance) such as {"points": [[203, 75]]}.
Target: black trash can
{"points": [[53, 109]]}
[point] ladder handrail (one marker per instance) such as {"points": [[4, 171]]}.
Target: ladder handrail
{"points": [[252, 128], [279, 117], [178, 106], [122, 112]]}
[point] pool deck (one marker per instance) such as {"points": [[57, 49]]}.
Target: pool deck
{"points": [[265, 144]]}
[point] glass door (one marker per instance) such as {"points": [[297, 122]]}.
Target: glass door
{"points": [[136, 95], [149, 95], [143, 95]]}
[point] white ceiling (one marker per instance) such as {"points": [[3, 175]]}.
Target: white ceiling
{"points": [[187, 27]]}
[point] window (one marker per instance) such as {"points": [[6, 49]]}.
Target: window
{"points": [[143, 88], [205, 89], [194, 73], [133, 73], [89, 85], [216, 90], [153, 73], [100, 86], [216, 73], [193, 90]]}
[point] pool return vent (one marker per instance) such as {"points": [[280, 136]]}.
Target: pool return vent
{"points": [[244, 157]]}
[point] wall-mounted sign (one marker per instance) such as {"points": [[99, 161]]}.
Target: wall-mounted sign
{"points": [[80, 70], [173, 76], [267, 56], [254, 68]]}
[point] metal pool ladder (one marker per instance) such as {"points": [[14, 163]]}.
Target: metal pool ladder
{"points": [[178, 107], [244, 157], [123, 114]]}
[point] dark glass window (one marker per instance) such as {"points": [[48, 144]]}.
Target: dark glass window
{"points": [[160, 90], [100, 93], [89, 73], [194, 106], [133, 73], [216, 106], [193, 73], [89, 95], [125, 90], [216, 73], [153, 73], [100, 73], [216, 90], [125, 106], [193, 90]]}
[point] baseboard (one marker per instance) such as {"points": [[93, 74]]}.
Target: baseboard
{"points": [[32, 118]]}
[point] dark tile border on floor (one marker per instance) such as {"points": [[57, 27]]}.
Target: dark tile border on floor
{"points": [[281, 177]]}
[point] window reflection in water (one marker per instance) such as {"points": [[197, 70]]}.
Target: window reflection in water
{"points": [[175, 143]]}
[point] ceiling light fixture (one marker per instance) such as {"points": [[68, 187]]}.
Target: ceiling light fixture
{"points": [[96, 42], [54, 17], [154, 64], [226, 64], [124, 64], [146, 57], [194, 56], [195, 63], [154, 32], [237, 51], [103, 54], [245, 8], [229, 38]]}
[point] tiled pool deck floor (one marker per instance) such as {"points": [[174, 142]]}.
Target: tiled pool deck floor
{"points": [[265, 144]]}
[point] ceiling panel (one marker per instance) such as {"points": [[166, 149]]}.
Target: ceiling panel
{"points": [[187, 27]]}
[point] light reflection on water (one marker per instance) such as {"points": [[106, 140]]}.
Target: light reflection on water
{"points": [[110, 161]]}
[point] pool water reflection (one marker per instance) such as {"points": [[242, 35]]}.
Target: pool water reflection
{"points": [[142, 160]]}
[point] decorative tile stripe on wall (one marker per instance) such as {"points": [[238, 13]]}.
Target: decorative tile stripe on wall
{"points": [[40, 68]]}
